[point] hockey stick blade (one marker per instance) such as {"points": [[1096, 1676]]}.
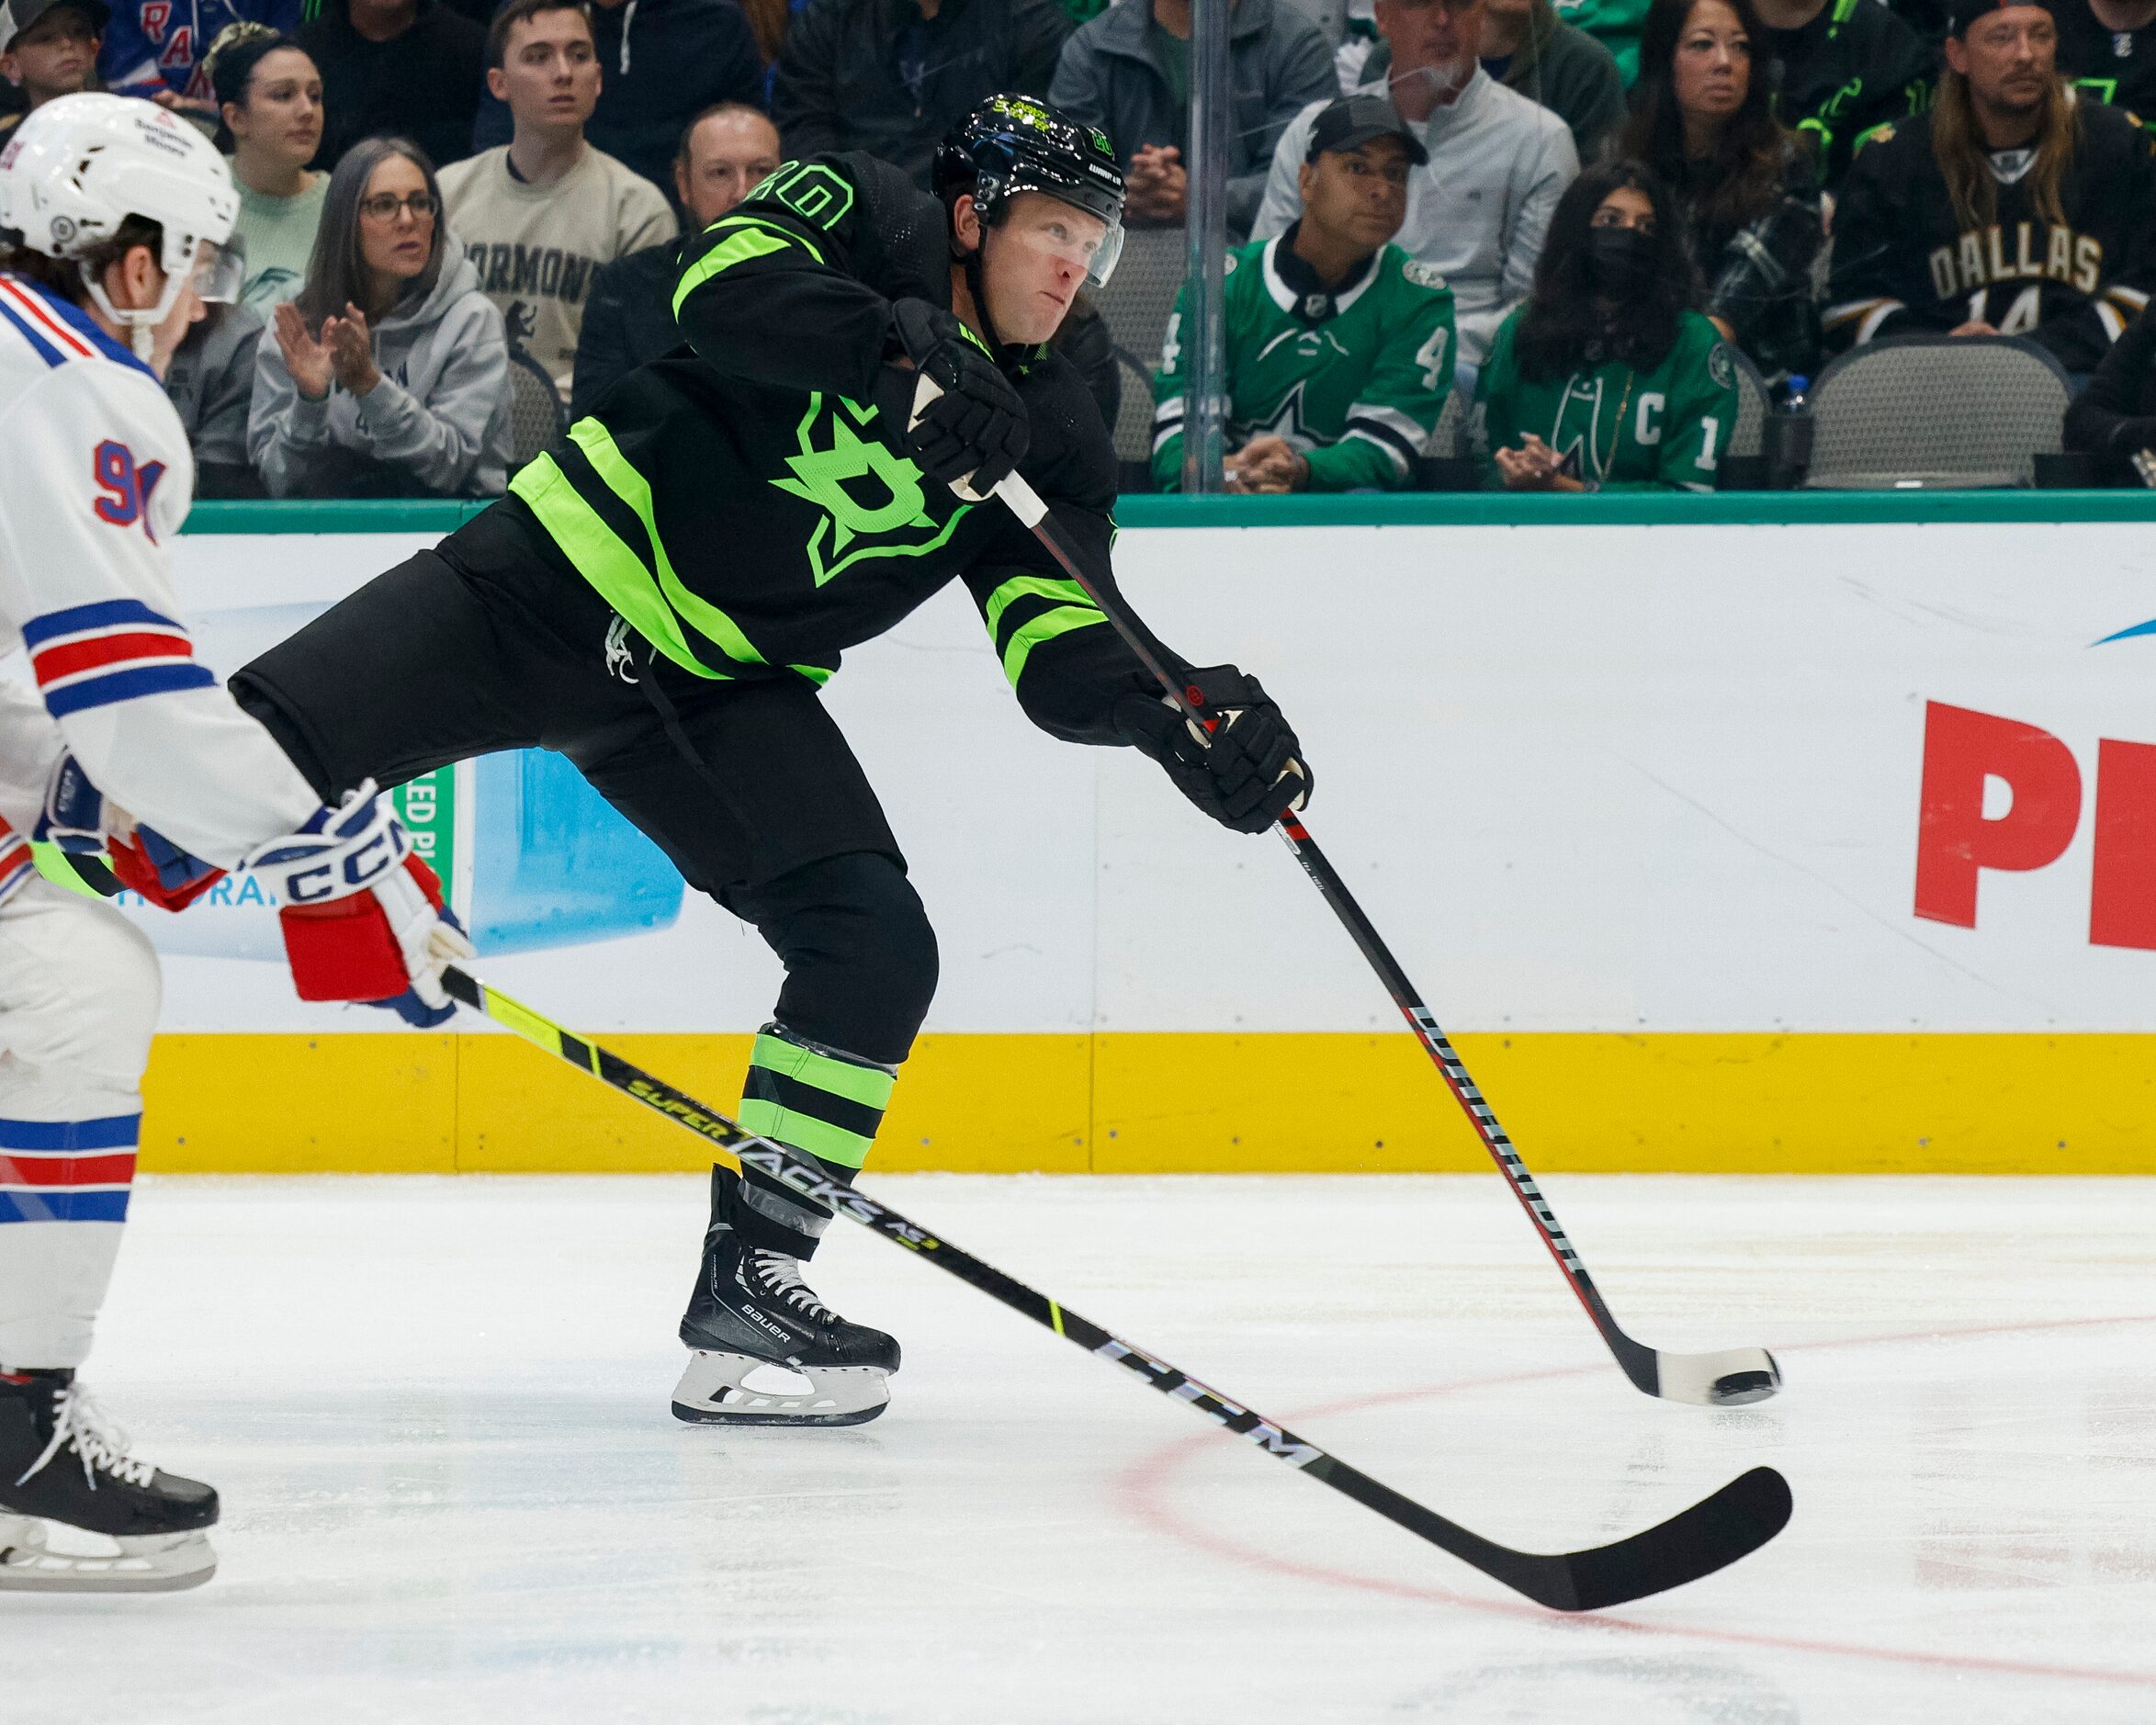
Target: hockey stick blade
{"points": [[1730, 1378], [1721, 1380], [1736, 1520]]}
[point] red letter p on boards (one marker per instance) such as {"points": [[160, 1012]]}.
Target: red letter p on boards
{"points": [[2122, 888], [1954, 841]]}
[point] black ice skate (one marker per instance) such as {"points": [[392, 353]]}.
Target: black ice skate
{"points": [[751, 1316], [61, 1460]]}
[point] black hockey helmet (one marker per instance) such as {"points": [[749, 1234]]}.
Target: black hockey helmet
{"points": [[1014, 143]]}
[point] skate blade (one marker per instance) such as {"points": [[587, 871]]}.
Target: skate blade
{"points": [[714, 1392], [145, 1563]]}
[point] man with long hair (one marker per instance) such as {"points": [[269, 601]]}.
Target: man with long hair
{"points": [[2011, 208]]}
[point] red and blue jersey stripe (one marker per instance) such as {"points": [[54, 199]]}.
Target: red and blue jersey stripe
{"points": [[67, 1170], [56, 330], [118, 650], [16, 865]]}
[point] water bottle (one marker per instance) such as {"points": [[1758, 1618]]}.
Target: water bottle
{"points": [[1787, 438]]}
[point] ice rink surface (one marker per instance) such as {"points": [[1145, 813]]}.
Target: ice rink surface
{"points": [[437, 1411]]}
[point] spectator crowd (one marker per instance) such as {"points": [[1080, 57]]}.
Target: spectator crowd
{"points": [[1593, 221]]}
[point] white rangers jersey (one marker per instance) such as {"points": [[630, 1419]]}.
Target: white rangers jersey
{"points": [[96, 480]]}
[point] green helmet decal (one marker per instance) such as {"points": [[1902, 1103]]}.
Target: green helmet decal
{"points": [[1021, 108]]}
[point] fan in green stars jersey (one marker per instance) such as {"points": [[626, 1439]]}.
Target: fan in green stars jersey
{"points": [[1339, 345], [1607, 379]]}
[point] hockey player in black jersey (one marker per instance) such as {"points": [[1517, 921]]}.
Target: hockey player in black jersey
{"points": [[662, 595], [2011, 208]]}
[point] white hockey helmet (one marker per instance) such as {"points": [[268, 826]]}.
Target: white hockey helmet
{"points": [[80, 165]]}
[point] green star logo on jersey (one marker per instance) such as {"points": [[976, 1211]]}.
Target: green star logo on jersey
{"points": [[864, 490], [1287, 422]]}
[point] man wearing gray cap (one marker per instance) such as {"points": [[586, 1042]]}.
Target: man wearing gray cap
{"points": [[1339, 345], [48, 48], [1478, 209]]}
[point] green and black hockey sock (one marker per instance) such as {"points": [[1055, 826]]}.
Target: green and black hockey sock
{"points": [[814, 1099]]}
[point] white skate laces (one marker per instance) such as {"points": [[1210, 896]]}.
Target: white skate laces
{"points": [[79, 1424], [780, 1276]]}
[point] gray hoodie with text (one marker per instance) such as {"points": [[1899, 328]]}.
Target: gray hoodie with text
{"points": [[436, 425]]}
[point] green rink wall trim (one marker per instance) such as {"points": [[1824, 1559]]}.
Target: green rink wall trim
{"points": [[1416, 509], [1186, 1102]]}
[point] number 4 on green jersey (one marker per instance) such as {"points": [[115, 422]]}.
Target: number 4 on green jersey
{"points": [[1353, 379]]}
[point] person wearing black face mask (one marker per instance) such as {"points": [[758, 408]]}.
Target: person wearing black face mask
{"points": [[1621, 259], [1608, 378]]}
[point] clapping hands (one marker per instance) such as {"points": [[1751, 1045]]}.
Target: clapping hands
{"points": [[342, 353], [1533, 467]]}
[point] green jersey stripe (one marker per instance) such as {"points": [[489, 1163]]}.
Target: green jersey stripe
{"points": [[623, 480], [1039, 586], [1044, 628], [752, 238], [603, 558]]}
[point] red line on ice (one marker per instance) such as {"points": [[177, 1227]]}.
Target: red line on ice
{"points": [[1141, 1485]]}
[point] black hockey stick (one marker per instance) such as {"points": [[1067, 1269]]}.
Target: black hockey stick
{"points": [[1722, 1379], [1736, 1520]]}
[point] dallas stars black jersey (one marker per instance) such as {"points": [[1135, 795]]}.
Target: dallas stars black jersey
{"points": [[1903, 263], [2117, 67], [1854, 66], [744, 507]]}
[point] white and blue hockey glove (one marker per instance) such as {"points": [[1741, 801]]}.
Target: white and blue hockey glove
{"points": [[81, 820]]}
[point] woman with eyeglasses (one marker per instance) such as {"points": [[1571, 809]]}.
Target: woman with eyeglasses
{"points": [[389, 375]]}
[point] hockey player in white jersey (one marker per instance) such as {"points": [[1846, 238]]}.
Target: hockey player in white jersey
{"points": [[114, 216]]}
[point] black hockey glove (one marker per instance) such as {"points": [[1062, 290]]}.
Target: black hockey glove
{"points": [[976, 430], [1247, 773]]}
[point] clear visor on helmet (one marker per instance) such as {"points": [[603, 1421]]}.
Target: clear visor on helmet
{"points": [[1077, 237], [219, 272]]}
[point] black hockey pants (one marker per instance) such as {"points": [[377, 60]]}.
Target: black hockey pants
{"points": [[483, 644]]}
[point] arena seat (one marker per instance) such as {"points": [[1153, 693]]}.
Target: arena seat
{"points": [[1937, 411]]}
